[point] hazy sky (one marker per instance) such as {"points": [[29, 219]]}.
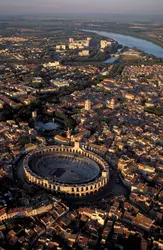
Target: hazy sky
{"points": [[81, 6]]}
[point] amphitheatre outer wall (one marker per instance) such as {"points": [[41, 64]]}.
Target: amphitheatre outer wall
{"points": [[74, 190]]}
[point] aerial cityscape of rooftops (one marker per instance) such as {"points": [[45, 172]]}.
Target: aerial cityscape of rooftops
{"points": [[81, 125]]}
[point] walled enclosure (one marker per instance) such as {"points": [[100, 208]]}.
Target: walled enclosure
{"points": [[74, 190]]}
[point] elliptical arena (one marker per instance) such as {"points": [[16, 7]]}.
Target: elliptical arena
{"points": [[69, 171]]}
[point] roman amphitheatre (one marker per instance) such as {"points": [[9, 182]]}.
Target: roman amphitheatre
{"points": [[67, 170]]}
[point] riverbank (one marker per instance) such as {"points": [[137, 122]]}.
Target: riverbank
{"points": [[130, 32], [130, 41]]}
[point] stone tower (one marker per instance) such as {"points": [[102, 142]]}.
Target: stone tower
{"points": [[112, 104], [88, 105]]}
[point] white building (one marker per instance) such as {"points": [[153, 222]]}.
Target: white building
{"points": [[104, 44], [59, 84], [84, 53], [51, 64]]}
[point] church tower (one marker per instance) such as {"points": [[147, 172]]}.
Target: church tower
{"points": [[68, 133]]}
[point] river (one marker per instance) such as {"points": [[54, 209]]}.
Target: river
{"points": [[130, 41]]}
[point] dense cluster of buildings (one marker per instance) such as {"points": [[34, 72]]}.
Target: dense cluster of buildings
{"points": [[17, 138], [118, 120], [55, 226], [16, 95]]}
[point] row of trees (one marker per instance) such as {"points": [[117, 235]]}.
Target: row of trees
{"points": [[68, 121], [154, 110]]}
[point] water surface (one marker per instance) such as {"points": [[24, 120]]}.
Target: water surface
{"points": [[130, 41]]}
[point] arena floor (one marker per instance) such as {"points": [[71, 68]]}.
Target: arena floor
{"points": [[68, 169]]}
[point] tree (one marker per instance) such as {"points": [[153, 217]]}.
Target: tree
{"points": [[24, 140]]}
